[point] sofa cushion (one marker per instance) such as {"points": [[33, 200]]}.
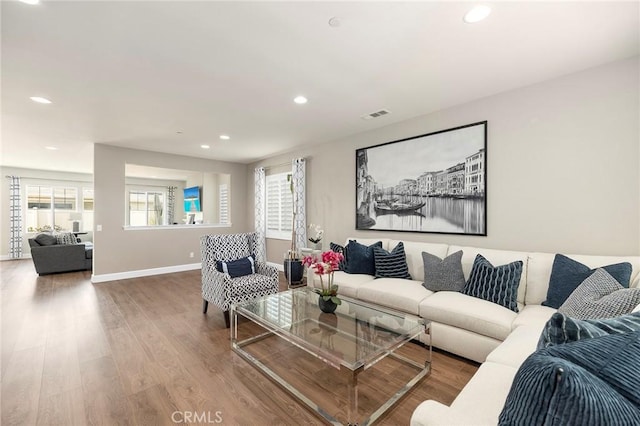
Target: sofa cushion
{"points": [[600, 296], [562, 329], [443, 274], [348, 284], [256, 282], [567, 274], [395, 293], [589, 382], [534, 315], [360, 258], [469, 313], [521, 343], [391, 264], [497, 284], [496, 257], [46, 239]]}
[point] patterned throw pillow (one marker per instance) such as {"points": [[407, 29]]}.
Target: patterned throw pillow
{"points": [[391, 264], [66, 238], [360, 258], [237, 268], [497, 284], [339, 249], [567, 274], [562, 329], [443, 274], [600, 296], [588, 383]]}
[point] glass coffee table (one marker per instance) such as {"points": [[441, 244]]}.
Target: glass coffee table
{"points": [[349, 367]]}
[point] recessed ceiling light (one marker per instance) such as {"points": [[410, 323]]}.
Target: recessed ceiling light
{"points": [[40, 100], [477, 14], [51, 148], [205, 146], [31, 2], [300, 100], [225, 137], [334, 22]]}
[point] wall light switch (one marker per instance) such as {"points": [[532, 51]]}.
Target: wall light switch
{"points": [[98, 228]]}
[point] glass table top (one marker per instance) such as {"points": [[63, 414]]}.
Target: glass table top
{"points": [[356, 336]]}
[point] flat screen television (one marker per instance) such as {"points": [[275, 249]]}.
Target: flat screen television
{"points": [[192, 199]]}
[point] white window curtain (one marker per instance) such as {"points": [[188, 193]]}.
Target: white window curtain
{"points": [[171, 204], [15, 218], [260, 219], [299, 204]]}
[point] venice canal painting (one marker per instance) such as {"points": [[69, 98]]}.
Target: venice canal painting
{"points": [[428, 183]]}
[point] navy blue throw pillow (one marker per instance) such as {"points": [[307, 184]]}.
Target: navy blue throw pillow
{"points": [[237, 268], [361, 258], [391, 264], [567, 274], [497, 284], [589, 382]]}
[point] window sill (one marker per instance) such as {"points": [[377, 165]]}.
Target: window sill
{"points": [[180, 226]]}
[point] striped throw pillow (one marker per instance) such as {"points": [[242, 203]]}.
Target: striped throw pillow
{"points": [[562, 329], [391, 264], [592, 382], [339, 249], [497, 284], [66, 238]]}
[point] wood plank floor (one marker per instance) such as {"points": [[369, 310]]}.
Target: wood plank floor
{"points": [[140, 352]]}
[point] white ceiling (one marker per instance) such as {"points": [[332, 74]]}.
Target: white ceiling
{"points": [[133, 74]]}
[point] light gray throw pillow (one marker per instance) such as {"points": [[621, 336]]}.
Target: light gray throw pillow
{"points": [[443, 274], [600, 296]]}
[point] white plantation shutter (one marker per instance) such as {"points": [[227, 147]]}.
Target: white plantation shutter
{"points": [[279, 206], [224, 203]]}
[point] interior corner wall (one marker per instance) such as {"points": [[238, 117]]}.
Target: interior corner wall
{"points": [[563, 161], [117, 250]]}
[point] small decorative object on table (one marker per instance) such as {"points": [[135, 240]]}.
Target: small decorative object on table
{"points": [[316, 240], [326, 265]]}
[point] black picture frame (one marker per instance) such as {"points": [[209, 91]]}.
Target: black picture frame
{"points": [[431, 183]]}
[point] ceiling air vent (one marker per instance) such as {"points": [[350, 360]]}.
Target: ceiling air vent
{"points": [[376, 114]]}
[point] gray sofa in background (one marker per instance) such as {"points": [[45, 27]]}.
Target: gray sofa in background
{"points": [[49, 257]]}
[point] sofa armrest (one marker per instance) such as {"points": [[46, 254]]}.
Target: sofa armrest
{"points": [[430, 413], [58, 258]]}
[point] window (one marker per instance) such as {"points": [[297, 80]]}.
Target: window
{"points": [[146, 208], [224, 203], [279, 206], [49, 208], [87, 199]]}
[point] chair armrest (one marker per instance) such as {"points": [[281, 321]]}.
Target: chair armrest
{"points": [[268, 270]]}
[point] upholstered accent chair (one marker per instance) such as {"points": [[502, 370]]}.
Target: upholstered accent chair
{"points": [[220, 288]]}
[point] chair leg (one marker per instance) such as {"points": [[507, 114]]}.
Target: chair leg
{"points": [[226, 319], [205, 305]]}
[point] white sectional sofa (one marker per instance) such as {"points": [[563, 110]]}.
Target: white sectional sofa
{"points": [[470, 327]]}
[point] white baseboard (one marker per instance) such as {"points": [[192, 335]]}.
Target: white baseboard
{"points": [[7, 257], [101, 278], [278, 266]]}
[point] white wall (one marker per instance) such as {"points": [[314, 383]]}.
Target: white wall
{"points": [[120, 251], [563, 163]]}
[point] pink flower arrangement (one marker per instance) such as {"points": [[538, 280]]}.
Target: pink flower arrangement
{"points": [[327, 264]]}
